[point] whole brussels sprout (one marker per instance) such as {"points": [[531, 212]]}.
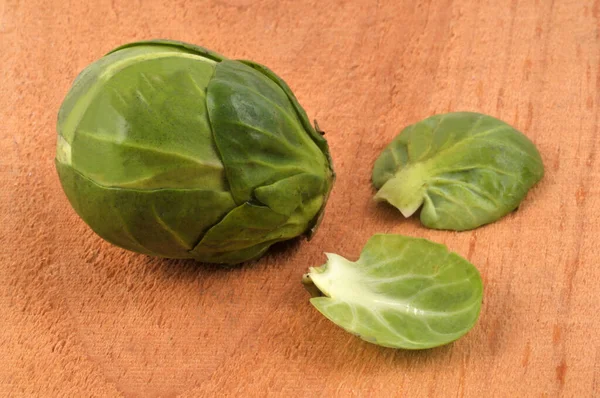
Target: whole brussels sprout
{"points": [[172, 150]]}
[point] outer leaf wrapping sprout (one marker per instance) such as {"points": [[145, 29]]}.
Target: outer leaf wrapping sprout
{"points": [[172, 150]]}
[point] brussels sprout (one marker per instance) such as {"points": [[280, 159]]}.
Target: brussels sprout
{"points": [[402, 292], [169, 149], [465, 169]]}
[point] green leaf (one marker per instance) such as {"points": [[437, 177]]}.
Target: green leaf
{"points": [[258, 134], [249, 230], [402, 292], [316, 135], [147, 127], [301, 113], [464, 169], [165, 222], [286, 195]]}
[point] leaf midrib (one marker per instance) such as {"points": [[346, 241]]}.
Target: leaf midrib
{"points": [[129, 144], [429, 162]]}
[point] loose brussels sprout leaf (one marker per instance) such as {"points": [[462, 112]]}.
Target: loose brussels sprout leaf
{"points": [[402, 292], [172, 150], [464, 169]]}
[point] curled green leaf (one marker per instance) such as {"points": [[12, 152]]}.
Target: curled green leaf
{"points": [[463, 169], [403, 292]]}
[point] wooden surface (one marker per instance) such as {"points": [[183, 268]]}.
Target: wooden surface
{"points": [[81, 318]]}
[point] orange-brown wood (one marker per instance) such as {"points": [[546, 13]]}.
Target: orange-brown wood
{"points": [[81, 318]]}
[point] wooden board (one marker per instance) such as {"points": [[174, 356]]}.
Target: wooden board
{"points": [[82, 318]]}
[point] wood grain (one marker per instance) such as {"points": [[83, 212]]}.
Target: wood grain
{"points": [[82, 318]]}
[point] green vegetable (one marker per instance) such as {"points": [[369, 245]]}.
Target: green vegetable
{"points": [[402, 292], [465, 169], [172, 150]]}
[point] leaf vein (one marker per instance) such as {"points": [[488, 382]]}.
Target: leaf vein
{"points": [[216, 166]]}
